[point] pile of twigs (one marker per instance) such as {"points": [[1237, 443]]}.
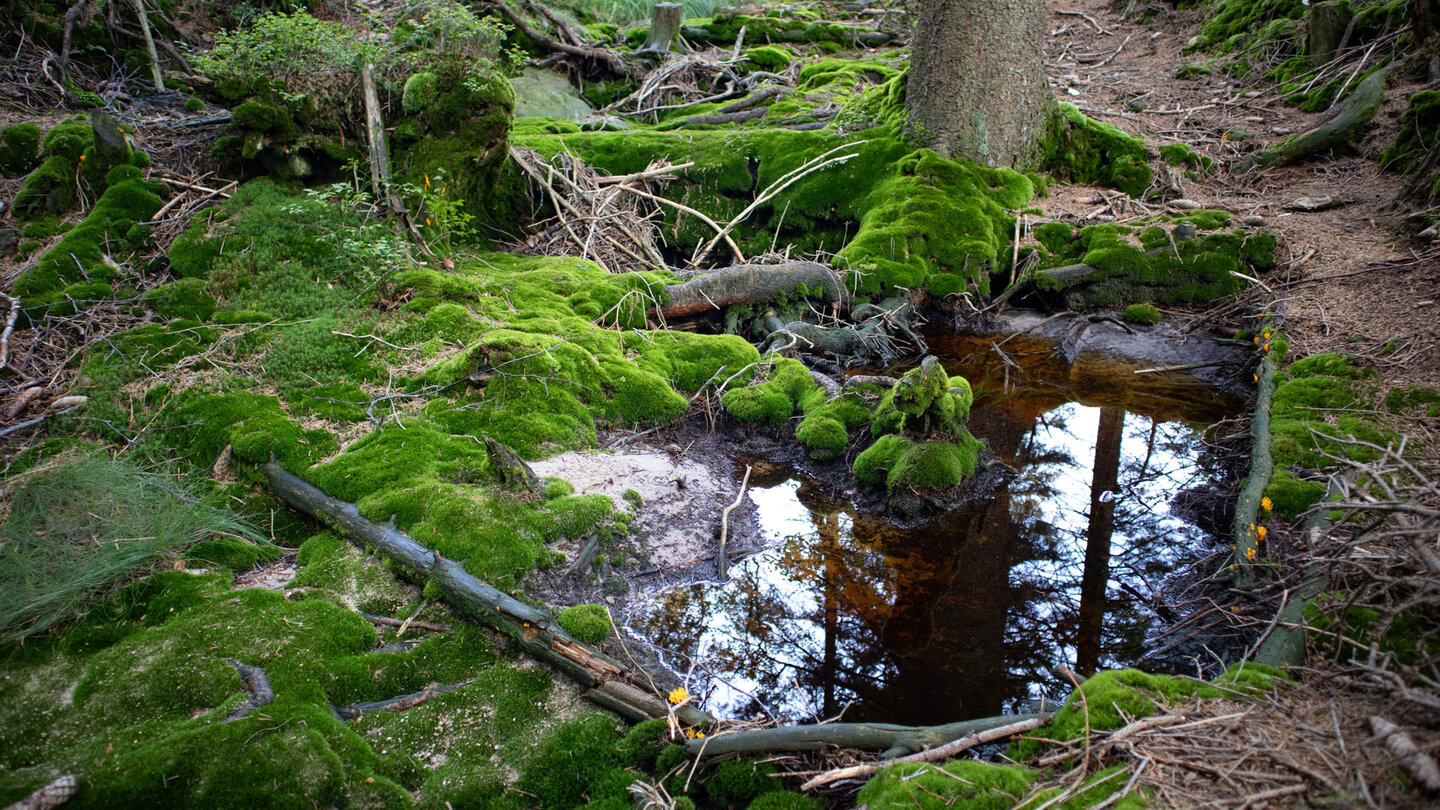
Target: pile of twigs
{"points": [[1379, 609], [610, 220], [1293, 747]]}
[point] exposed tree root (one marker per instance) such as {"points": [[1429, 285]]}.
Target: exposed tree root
{"points": [[396, 704], [751, 284], [257, 683]]}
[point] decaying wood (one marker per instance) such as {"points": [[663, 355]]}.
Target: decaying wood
{"points": [[10, 319], [871, 736], [1411, 757], [1347, 122], [750, 284], [535, 631], [871, 379], [257, 683], [379, 151], [72, 15], [514, 473], [946, 751], [53, 795]]}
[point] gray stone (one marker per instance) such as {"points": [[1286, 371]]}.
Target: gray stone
{"points": [[543, 93]]}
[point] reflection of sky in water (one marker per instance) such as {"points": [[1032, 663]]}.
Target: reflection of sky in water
{"points": [[970, 615]]}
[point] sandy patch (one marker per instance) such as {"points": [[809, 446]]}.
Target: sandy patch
{"points": [[683, 496]]}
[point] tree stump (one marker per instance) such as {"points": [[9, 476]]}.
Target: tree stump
{"points": [[1326, 27], [664, 30]]}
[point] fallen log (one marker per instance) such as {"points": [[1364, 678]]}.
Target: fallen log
{"points": [[751, 284], [1262, 466], [1338, 130], [534, 630], [892, 739], [947, 751]]}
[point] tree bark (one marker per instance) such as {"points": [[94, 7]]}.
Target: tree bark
{"points": [[977, 86], [155, 74], [750, 284], [536, 632]]}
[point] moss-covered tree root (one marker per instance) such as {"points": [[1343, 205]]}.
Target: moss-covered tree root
{"points": [[892, 739], [536, 632], [257, 683], [1348, 121], [752, 284]]}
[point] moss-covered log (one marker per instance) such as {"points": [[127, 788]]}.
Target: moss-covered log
{"points": [[536, 631], [752, 284], [1262, 465], [872, 736], [1347, 123]]}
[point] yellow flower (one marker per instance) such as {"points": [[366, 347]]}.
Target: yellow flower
{"points": [[679, 695], [1250, 554], [442, 189], [1267, 334], [428, 221], [427, 185], [1261, 532], [1266, 503]]}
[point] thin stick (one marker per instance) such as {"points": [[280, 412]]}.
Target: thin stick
{"points": [[155, 73], [946, 751], [219, 192], [9, 328], [719, 231], [725, 521]]}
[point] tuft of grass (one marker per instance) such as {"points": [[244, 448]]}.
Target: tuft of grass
{"points": [[84, 527]]}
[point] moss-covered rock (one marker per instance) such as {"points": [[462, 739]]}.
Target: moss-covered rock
{"points": [[1084, 150], [19, 149], [1414, 141]]}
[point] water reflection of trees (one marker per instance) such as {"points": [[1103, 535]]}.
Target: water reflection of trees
{"points": [[962, 618]]}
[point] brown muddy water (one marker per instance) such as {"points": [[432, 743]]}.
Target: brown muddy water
{"points": [[967, 615]]}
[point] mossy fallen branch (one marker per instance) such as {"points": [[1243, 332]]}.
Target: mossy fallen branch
{"points": [[1355, 114], [536, 632], [887, 737], [1262, 465], [751, 284]]}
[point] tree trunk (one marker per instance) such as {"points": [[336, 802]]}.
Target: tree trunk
{"points": [[1424, 17], [1096, 576], [977, 85]]}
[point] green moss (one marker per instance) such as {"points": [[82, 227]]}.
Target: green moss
{"points": [[48, 189], [963, 785], [736, 784], [1083, 150], [1181, 155], [420, 92], [19, 149], [788, 389], [194, 104], [935, 223], [253, 426], [589, 623], [1234, 25], [769, 57], [81, 254], [185, 298], [576, 756], [1414, 142], [1145, 314], [785, 800], [69, 139]]}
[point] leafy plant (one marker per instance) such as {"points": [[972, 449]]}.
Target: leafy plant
{"points": [[295, 49]]}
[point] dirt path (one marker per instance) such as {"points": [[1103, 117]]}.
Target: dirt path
{"points": [[1347, 279]]}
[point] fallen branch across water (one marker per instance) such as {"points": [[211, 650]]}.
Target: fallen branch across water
{"points": [[883, 736]]}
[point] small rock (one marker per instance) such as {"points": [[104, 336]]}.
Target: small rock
{"points": [[1311, 204], [1186, 231], [1280, 130], [1254, 220], [609, 600], [1429, 233]]}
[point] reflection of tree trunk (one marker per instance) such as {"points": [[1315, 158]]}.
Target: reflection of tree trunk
{"points": [[1097, 539], [829, 528]]}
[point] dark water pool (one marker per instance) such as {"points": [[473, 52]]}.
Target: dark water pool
{"points": [[967, 615]]}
